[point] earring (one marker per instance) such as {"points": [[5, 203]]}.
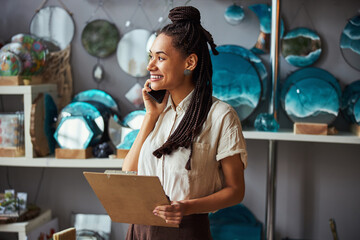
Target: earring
{"points": [[187, 72]]}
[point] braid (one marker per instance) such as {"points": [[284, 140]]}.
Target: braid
{"points": [[190, 37]]}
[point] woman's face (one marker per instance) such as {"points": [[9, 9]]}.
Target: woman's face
{"points": [[166, 65]]}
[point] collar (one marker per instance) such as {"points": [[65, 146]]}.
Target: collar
{"points": [[183, 105]]}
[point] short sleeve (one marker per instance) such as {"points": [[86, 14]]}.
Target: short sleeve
{"points": [[231, 140]]}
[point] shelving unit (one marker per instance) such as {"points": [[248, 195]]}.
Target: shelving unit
{"points": [[284, 135], [29, 93]]}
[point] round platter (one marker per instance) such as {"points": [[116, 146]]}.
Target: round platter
{"points": [[350, 42], [236, 82], [10, 64]]}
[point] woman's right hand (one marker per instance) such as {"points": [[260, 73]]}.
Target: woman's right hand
{"points": [[152, 107]]}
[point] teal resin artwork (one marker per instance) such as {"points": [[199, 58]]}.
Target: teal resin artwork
{"points": [[308, 73], [134, 119], [128, 140], [311, 100], [100, 96], [301, 47], [350, 105], [236, 81], [94, 118], [253, 59], [234, 14], [350, 42], [263, 12]]}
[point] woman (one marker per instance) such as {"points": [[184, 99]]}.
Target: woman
{"points": [[191, 141]]}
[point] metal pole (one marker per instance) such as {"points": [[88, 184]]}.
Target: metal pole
{"points": [[271, 192], [274, 54]]}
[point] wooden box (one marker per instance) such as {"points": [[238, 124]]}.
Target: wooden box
{"points": [[20, 80], [121, 153], [73, 153], [311, 128]]}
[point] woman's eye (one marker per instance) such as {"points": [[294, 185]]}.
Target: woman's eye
{"points": [[160, 58]]}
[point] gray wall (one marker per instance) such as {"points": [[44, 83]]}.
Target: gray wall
{"points": [[316, 181]]}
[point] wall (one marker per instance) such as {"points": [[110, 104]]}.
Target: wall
{"points": [[316, 181]]}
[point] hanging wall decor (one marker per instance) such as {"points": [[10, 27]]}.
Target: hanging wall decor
{"points": [[350, 106], [311, 95], [263, 12], [99, 38], [235, 80], [350, 42], [234, 14], [301, 47], [55, 25], [131, 52]]}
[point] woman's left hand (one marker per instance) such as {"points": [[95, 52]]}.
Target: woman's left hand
{"points": [[172, 214]]}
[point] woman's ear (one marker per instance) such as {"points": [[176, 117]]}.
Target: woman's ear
{"points": [[191, 61]]}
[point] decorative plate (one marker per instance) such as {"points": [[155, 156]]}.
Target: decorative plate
{"points": [[309, 73], [10, 64], [253, 59], [131, 52], [100, 38], [134, 119], [53, 24], [263, 12], [350, 42], [301, 47], [311, 100], [236, 82], [128, 140], [350, 106], [94, 117], [97, 96], [26, 58], [234, 14], [37, 50]]}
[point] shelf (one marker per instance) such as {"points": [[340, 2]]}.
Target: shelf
{"points": [[288, 135], [61, 163], [23, 228], [284, 135]]}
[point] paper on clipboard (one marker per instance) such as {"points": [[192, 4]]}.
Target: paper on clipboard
{"points": [[129, 198]]}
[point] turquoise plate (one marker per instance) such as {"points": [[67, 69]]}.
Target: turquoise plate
{"points": [[97, 96], [311, 100], [350, 42], [350, 106], [236, 81]]}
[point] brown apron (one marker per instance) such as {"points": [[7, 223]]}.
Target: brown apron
{"points": [[192, 227]]}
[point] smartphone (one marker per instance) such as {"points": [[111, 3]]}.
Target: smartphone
{"points": [[158, 96]]}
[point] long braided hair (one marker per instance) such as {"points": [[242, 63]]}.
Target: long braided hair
{"points": [[188, 36]]}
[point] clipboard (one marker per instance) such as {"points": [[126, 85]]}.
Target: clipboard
{"points": [[129, 198]]}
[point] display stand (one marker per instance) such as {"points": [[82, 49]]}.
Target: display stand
{"points": [[29, 93], [24, 228]]}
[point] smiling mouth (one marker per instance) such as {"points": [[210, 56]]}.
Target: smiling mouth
{"points": [[156, 77]]}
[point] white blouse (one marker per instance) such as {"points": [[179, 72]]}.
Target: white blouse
{"points": [[220, 137]]}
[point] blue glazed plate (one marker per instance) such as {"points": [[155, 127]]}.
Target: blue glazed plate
{"points": [[236, 82], [350, 42], [301, 47], [309, 73], [253, 59], [97, 96], [234, 14], [311, 100], [350, 105]]}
